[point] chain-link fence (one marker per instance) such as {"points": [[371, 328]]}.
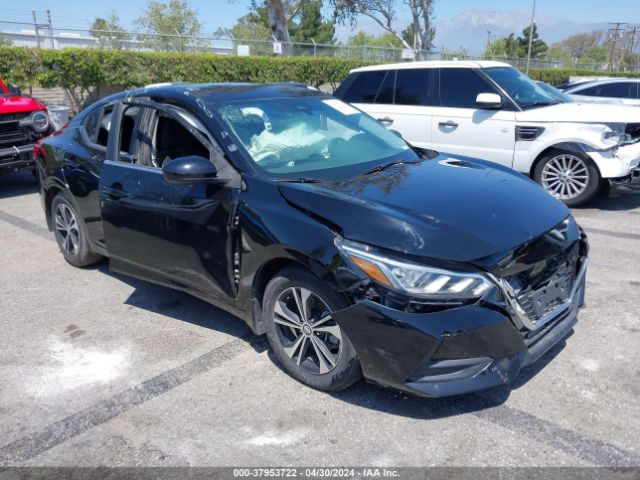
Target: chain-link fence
{"points": [[45, 36]]}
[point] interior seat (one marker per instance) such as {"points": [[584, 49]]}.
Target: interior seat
{"points": [[174, 141]]}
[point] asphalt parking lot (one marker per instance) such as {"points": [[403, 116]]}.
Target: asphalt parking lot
{"points": [[99, 369]]}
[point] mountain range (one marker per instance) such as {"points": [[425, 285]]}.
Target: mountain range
{"points": [[469, 28]]}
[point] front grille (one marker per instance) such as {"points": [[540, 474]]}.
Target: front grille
{"points": [[14, 117], [633, 130], [11, 134], [528, 134], [547, 285]]}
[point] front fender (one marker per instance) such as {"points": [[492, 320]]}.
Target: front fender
{"points": [[585, 138]]}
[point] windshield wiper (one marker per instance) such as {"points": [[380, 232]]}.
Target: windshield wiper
{"points": [[384, 166], [541, 104], [301, 180]]}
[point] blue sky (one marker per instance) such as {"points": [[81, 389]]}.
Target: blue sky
{"points": [[223, 13]]}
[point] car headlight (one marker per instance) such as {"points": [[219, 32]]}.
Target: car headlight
{"points": [[412, 279], [38, 121], [615, 136]]}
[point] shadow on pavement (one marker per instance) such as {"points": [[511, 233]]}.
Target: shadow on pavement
{"points": [[183, 307], [14, 184], [186, 308], [618, 200]]}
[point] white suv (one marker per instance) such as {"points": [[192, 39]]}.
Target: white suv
{"points": [[492, 111]]}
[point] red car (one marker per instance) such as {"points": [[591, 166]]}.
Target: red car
{"points": [[23, 121]]}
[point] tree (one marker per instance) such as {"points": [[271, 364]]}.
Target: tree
{"points": [[304, 23], [508, 47], [382, 47], [557, 53], [538, 46], [383, 12], [311, 25], [109, 32], [170, 24], [386, 40], [578, 45], [5, 41]]}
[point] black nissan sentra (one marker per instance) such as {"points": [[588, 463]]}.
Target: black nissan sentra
{"points": [[356, 254]]}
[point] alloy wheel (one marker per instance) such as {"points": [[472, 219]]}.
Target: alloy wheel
{"points": [[565, 176], [307, 332], [67, 228]]}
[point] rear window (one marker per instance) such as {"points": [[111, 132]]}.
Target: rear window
{"points": [[416, 87], [364, 87], [612, 90]]}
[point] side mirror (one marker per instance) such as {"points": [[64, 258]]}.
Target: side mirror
{"points": [[189, 170], [15, 90], [489, 100]]}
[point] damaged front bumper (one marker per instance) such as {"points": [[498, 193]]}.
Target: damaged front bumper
{"points": [[454, 351], [617, 164]]}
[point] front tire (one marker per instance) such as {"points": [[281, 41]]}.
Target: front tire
{"points": [[304, 338], [571, 177], [71, 233]]}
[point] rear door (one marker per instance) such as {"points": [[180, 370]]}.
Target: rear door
{"points": [[401, 100], [177, 235], [460, 127]]}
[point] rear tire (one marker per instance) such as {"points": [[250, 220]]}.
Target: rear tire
{"points": [[71, 233], [304, 338], [571, 177]]}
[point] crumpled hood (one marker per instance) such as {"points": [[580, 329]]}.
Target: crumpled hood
{"points": [[14, 104], [582, 113], [448, 208]]}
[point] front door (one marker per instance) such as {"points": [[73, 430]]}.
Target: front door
{"points": [[460, 127], [177, 235]]}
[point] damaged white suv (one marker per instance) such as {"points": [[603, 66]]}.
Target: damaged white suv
{"points": [[492, 111]]}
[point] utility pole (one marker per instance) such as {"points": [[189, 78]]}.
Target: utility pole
{"points": [[531, 24], [488, 43], [615, 33], [35, 27], [53, 43], [632, 42]]}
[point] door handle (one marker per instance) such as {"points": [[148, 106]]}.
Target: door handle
{"points": [[386, 121], [114, 192], [448, 124]]}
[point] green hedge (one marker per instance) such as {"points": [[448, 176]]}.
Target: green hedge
{"points": [[71, 68], [92, 67], [555, 76]]}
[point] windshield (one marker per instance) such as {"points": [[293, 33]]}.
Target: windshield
{"points": [[557, 94], [524, 91], [318, 137]]}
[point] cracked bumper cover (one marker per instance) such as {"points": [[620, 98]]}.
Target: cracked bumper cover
{"points": [[617, 163], [451, 352]]}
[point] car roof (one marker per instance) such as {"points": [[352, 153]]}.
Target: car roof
{"points": [[433, 64], [219, 92], [593, 83]]}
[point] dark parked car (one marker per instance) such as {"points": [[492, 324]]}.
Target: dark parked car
{"points": [[355, 254]]}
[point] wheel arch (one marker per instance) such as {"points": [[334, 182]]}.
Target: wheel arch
{"points": [[563, 146], [49, 194], [269, 270]]}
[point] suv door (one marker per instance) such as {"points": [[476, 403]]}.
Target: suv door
{"points": [[460, 127], [173, 234], [401, 100]]}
